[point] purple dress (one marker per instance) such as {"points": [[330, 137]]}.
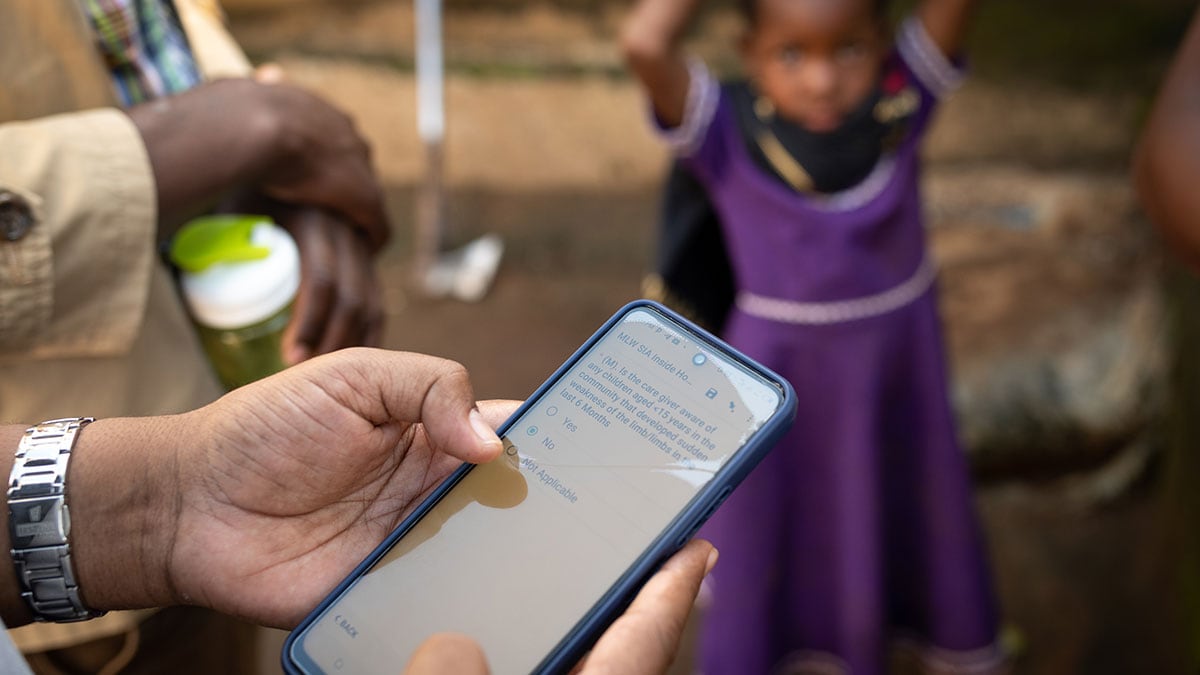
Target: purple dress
{"points": [[858, 533]]}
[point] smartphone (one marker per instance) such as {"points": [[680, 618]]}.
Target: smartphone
{"points": [[608, 468]]}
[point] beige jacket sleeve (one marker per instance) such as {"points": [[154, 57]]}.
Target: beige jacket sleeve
{"points": [[87, 181]]}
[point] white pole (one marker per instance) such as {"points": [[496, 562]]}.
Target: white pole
{"points": [[431, 127], [431, 113], [466, 274]]}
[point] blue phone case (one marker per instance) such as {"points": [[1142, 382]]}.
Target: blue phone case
{"points": [[610, 606]]}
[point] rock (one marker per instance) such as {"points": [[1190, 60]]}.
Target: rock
{"points": [[1052, 304]]}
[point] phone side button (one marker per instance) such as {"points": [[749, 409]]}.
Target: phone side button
{"points": [[707, 514]]}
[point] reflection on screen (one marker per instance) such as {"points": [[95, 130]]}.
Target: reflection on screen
{"points": [[521, 548]]}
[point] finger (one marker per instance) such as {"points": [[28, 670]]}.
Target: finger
{"points": [[318, 277], [407, 388], [347, 322], [375, 317], [326, 162], [371, 216], [646, 637], [496, 411], [448, 653], [366, 203], [352, 190]]}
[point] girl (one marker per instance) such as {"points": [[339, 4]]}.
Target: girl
{"points": [[857, 533]]}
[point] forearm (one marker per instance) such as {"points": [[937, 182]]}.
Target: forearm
{"points": [[655, 27], [201, 144], [650, 41], [121, 492], [1167, 160], [946, 22]]}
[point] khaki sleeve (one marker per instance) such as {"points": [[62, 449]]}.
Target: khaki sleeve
{"points": [[216, 52], [75, 283]]}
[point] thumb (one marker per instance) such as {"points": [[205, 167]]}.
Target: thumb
{"points": [[448, 653], [383, 386]]}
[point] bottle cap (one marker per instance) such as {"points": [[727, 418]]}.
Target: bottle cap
{"points": [[237, 270]]}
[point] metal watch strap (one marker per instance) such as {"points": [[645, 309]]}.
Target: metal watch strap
{"points": [[39, 522]]}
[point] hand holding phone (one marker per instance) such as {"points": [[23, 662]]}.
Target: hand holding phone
{"points": [[608, 469], [286, 483]]}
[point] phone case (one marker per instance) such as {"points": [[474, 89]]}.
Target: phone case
{"points": [[681, 529]]}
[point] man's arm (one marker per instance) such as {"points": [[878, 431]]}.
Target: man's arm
{"points": [[272, 148], [650, 40], [339, 303], [277, 138], [119, 486], [1167, 160], [257, 504]]}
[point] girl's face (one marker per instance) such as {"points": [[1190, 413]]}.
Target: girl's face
{"points": [[815, 60]]}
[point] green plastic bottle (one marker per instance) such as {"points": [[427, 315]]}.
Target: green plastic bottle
{"points": [[239, 278]]}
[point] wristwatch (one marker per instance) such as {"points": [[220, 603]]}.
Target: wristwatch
{"points": [[39, 523]]}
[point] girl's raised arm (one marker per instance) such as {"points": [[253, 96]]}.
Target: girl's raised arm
{"points": [[650, 41], [946, 22]]}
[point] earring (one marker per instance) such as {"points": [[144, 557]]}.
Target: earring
{"points": [[763, 108]]}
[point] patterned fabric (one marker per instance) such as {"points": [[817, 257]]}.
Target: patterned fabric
{"points": [[145, 47]]}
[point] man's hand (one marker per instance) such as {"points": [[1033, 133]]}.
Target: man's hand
{"points": [[273, 138], [339, 303], [268, 147], [258, 504], [323, 161], [288, 483]]}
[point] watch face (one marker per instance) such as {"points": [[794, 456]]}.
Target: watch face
{"points": [[37, 522]]}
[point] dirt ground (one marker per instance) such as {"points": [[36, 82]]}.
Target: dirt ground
{"points": [[548, 147]]}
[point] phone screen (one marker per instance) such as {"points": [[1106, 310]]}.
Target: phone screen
{"points": [[594, 471]]}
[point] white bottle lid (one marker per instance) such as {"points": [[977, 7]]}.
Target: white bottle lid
{"points": [[236, 294]]}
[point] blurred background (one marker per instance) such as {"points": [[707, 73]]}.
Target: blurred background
{"points": [[1062, 310]]}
